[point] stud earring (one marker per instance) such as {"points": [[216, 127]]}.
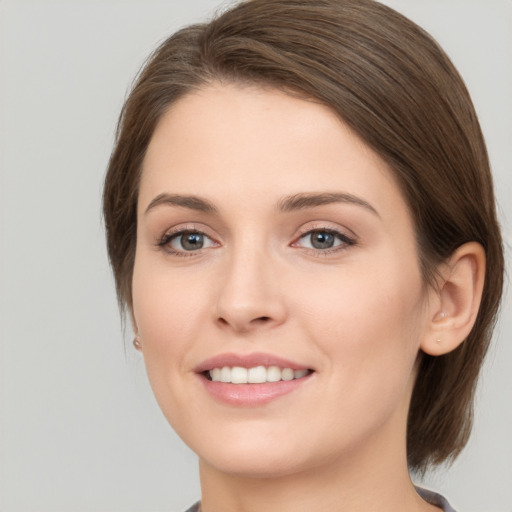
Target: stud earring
{"points": [[137, 344]]}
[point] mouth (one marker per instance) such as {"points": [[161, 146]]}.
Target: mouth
{"points": [[251, 380], [254, 375]]}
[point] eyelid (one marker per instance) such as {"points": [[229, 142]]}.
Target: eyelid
{"points": [[344, 235], [325, 226], [347, 239], [163, 242]]}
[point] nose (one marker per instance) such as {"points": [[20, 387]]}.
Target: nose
{"points": [[250, 294]]}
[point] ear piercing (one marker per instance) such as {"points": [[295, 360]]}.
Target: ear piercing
{"points": [[440, 316], [136, 343]]}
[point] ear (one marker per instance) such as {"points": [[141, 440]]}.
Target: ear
{"points": [[136, 338], [454, 311]]}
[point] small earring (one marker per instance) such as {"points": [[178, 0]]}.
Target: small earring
{"points": [[137, 344]]}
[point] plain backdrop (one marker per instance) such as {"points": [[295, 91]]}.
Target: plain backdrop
{"points": [[79, 428]]}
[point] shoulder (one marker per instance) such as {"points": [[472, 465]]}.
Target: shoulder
{"points": [[430, 496], [435, 499], [194, 508]]}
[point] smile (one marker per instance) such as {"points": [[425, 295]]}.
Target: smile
{"points": [[254, 375], [251, 380]]}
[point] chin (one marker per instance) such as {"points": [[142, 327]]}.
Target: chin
{"points": [[255, 465], [251, 455]]}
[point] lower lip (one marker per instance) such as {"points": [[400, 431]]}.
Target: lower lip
{"points": [[251, 395]]}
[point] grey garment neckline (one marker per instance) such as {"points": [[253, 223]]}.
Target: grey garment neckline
{"points": [[430, 496], [435, 499]]}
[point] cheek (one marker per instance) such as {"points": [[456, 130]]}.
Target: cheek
{"points": [[165, 313], [167, 319], [368, 323], [369, 336]]}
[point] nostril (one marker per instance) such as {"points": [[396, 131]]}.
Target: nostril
{"points": [[242, 324]]}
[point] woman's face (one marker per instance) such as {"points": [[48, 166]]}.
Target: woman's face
{"points": [[272, 240]]}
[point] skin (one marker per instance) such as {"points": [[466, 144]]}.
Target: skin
{"points": [[357, 314]]}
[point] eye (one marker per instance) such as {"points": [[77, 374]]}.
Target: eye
{"points": [[186, 241], [324, 239]]}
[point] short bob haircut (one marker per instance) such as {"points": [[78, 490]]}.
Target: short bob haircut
{"points": [[395, 87]]}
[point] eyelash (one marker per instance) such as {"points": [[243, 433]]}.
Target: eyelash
{"points": [[165, 241], [345, 241]]}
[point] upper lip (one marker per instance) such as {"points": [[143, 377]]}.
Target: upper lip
{"points": [[248, 361]]}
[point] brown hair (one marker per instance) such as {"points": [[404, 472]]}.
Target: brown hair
{"points": [[392, 83]]}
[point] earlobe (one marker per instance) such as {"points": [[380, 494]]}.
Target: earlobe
{"points": [[459, 294], [137, 343], [136, 340]]}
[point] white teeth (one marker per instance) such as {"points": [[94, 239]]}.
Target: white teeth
{"points": [[255, 375], [287, 374], [225, 374], [298, 374], [273, 374], [239, 375]]}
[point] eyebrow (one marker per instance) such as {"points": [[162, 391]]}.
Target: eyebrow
{"points": [[301, 201], [190, 202]]}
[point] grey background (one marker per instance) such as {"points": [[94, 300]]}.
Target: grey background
{"points": [[79, 428]]}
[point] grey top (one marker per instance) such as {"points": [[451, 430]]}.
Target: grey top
{"points": [[429, 496], [435, 499]]}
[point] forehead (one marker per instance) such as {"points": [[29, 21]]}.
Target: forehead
{"points": [[227, 140]]}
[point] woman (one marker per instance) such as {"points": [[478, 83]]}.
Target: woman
{"points": [[301, 223]]}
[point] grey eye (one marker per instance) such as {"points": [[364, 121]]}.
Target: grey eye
{"points": [[190, 241], [322, 239]]}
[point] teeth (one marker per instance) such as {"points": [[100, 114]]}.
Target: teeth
{"points": [[239, 375], [287, 374], [225, 374], [273, 374], [256, 375]]}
